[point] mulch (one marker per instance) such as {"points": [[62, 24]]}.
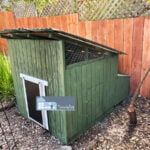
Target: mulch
{"points": [[113, 133]]}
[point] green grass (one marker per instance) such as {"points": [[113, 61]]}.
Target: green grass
{"points": [[6, 81]]}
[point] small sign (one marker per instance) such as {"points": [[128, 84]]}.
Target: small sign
{"points": [[55, 103]]}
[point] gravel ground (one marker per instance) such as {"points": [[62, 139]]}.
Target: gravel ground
{"points": [[113, 133]]}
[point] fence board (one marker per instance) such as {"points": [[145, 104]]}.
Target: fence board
{"points": [[88, 28], [100, 32], [63, 23], [137, 49], [118, 43], [54, 22], [81, 29], [110, 32], [145, 90], [72, 21], [25, 22], [4, 17], [44, 22], [94, 31], [128, 35]]}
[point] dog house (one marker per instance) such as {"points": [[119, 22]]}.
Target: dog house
{"points": [[54, 63]]}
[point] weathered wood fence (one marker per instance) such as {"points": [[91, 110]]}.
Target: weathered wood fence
{"points": [[129, 35]]}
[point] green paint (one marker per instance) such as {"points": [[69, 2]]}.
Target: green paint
{"points": [[94, 83]]}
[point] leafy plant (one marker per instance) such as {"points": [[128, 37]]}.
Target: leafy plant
{"points": [[6, 81]]}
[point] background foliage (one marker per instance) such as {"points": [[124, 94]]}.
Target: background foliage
{"points": [[6, 81]]}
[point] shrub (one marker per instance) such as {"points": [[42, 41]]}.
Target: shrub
{"points": [[6, 81]]}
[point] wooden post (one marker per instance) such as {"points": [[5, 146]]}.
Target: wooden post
{"points": [[132, 115]]}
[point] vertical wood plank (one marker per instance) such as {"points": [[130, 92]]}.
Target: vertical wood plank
{"points": [[128, 33], [49, 22], [73, 19], [81, 29], [68, 93], [101, 34], [94, 30], [14, 68], [69, 22], [25, 22], [57, 24], [1, 20], [6, 22], [40, 22], [88, 30], [63, 23], [84, 95], [110, 33], [53, 23], [118, 37], [11, 20], [3, 42], [145, 90], [137, 49], [105, 32], [44, 22]]}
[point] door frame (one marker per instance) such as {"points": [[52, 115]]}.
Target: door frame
{"points": [[42, 84]]}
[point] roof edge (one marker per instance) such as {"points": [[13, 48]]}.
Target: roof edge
{"points": [[11, 33]]}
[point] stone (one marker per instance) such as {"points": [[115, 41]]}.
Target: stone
{"points": [[65, 148]]}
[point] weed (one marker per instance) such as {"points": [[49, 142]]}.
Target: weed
{"points": [[6, 81]]}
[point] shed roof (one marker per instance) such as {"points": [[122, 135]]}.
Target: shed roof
{"points": [[22, 33]]}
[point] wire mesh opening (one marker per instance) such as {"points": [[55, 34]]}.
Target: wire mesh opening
{"points": [[75, 53], [92, 54]]}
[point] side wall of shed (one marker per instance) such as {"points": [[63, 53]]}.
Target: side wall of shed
{"points": [[42, 59], [97, 88]]}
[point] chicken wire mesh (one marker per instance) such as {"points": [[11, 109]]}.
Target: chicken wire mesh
{"points": [[76, 53]]}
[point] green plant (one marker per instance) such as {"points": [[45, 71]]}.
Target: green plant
{"points": [[6, 81]]}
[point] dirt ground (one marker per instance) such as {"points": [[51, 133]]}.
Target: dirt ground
{"points": [[113, 133]]}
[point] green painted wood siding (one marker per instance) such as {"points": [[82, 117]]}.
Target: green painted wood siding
{"points": [[41, 59], [94, 83], [97, 88]]}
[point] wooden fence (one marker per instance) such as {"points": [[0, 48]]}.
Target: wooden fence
{"points": [[131, 36]]}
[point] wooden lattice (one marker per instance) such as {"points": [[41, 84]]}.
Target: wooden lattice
{"points": [[87, 9], [22, 9], [106, 9], [61, 7]]}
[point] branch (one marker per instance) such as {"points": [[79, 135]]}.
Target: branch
{"points": [[131, 108], [133, 99]]}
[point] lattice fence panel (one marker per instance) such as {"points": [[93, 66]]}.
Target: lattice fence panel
{"points": [[109, 9], [61, 7], [22, 9], [87, 9]]}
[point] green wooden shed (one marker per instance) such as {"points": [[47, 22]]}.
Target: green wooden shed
{"points": [[54, 63]]}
